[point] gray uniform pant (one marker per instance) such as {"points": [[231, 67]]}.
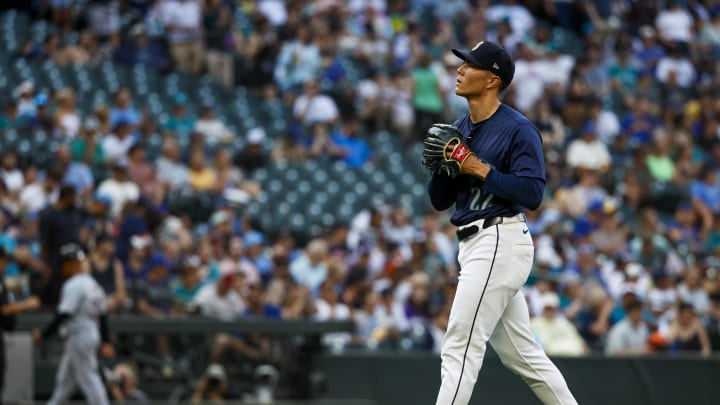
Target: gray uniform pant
{"points": [[489, 307], [79, 366]]}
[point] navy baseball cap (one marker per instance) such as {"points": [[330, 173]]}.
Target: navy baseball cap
{"points": [[71, 251], [490, 56]]}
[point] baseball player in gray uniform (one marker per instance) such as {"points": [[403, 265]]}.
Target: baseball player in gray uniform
{"points": [[489, 164], [82, 320]]}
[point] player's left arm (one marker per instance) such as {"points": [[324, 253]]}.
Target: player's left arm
{"points": [[106, 349], [525, 181]]}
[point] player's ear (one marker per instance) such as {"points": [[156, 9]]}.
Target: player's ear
{"points": [[493, 82]]}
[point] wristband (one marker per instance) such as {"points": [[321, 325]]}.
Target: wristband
{"points": [[461, 153]]}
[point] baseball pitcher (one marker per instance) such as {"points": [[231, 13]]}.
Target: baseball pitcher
{"points": [[489, 164]]}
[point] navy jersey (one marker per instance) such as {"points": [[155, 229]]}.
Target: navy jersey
{"points": [[509, 143]]}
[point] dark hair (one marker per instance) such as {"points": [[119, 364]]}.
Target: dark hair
{"points": [[104, 237], [685, 306], [633, 305], [54, 174], [135, 147], [66, 191]]}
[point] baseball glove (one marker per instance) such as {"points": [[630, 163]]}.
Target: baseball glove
{"points": [[435, 152]]}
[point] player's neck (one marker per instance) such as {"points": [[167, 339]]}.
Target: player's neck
{"points": [[483, 107]]}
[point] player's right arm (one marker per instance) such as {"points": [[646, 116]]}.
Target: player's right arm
{"points": [[442, 191]]}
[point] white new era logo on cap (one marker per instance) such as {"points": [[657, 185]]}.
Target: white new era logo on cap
{"points": [[495, 66]]}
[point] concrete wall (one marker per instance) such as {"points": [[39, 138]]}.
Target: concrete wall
{"points": [[400, 379]]}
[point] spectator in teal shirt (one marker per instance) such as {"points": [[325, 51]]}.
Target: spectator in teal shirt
{"points": [[10, 118], [180, 122], [188, 284]]}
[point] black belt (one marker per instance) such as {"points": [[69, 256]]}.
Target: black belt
{"points": [[469, 231]]}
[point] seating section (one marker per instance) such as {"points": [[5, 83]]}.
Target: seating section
{"points": [[299, 197]]}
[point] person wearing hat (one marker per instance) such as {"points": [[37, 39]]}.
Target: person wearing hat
{"points": [[180, 121], [588, 152], [557, 334], [213, 386], [253, 155], [8, 309], [491, 167], [82, 315], [26, 103]]}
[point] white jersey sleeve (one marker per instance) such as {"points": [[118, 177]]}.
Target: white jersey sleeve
{"points": [[70, 298]]}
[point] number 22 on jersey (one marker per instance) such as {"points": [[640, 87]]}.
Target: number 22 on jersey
{"points": [[477, 202]]}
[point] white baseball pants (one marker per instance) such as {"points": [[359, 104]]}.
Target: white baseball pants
{"points": [[79, 365], [488, 306]]}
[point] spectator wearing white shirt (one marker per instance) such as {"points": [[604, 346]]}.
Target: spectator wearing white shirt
{"points": [[606, 122], [662, 299], [675, 25], [274, 10], [104, 17], [117, 144], [587, 152], [329, 308], [629, 336], [10, 174], [119, 189], [529, 78], [299, 61], [212, 128], [221, 299], [692, 292], [310, 269], [312, 107], [37, 194], [555, 333], [520, 18], [183, 23], [675, 69]]}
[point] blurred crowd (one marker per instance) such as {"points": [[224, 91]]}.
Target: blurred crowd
{"points": [[625, 94]]}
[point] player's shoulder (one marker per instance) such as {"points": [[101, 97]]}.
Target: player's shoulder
{"points": [[512, 117], [518, 123]]}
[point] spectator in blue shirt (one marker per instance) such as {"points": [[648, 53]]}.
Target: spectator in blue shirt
{"points": [[349, 146], [641, 123], [255, 252], [650, 51], [705, 189], [123, 110], [257, 305], [77, 174], [140, 49]]}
